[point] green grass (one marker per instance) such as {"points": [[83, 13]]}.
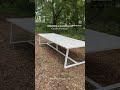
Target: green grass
{"points": [[77, 33]]}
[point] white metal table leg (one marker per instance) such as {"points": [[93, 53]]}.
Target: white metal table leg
{"points": [[56, 46], [71, 65], [11, 29], [39, 41], [66, 58]]}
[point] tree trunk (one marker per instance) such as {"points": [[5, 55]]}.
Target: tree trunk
{"points": [[54, 20]]}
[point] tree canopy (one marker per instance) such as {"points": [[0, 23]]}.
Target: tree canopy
{"points": [[60, 11]]}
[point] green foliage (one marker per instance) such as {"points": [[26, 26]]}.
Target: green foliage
{"points": [[61, 11], [18, 7], [107, 21]]}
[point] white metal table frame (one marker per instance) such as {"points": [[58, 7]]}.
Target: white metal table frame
{"points": [[11, 35], [66, 55]]}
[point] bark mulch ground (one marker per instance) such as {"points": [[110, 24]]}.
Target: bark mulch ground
{"points": [[17, 62], [50, 73], [104, 67]]}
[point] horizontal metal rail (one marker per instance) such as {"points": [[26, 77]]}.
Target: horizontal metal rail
{"points": [[62, 53], [21, 41]]}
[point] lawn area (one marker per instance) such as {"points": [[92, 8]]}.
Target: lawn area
{"points": [[74, 32]]}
